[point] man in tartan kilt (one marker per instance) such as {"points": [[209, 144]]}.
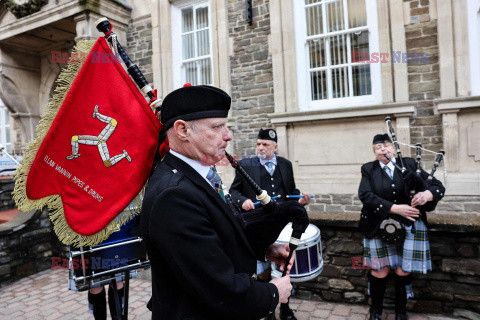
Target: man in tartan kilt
{"points": [[383, 194]]}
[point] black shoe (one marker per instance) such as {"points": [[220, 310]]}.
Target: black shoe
{"points": [[400, 316], [287, 314], [374, 315]]}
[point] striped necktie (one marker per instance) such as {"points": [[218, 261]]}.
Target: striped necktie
{"points": [[389, 172], [215, 181], [270, 167]]}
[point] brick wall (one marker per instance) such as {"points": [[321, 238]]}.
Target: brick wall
{"points": [[251, 73]]}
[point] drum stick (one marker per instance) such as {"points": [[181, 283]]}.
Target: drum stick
{"points": [[297, 196], [258, 202]]}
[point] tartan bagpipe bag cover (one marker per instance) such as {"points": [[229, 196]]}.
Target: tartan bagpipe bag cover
{"points": [[96, 151]]}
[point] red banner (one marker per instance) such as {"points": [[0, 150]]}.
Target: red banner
{"points": [[99, 150]]}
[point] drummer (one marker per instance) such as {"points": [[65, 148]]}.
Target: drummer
{"points": [[97, 297], [273, 174]]}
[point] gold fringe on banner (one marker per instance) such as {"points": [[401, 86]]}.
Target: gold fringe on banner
{"points": [[54, 203]]}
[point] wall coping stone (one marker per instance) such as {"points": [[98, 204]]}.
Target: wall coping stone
{"points": [[454, 104], [20, 221], [437, 222], [398, 108]]}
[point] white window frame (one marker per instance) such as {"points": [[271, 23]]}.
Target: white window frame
{"points": [[305, 102], [473, 9], [4, 127], [178, 70]]}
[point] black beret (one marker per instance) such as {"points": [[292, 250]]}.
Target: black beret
{"points": [[192, 103], [267, 134], [381, 138]]}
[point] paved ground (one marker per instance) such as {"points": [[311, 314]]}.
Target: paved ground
{"points": [[46, 296]]}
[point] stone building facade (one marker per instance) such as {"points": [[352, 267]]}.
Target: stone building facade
{"points": [[427, 80]]}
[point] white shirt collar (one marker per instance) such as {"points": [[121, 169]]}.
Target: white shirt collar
{"points": [[264, 161], [390, 165], [198, 166]]}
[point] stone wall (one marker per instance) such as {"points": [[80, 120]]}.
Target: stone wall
{"points": [[26, 249], [251, 74], [6, 200], [452, 287], [349, 203], [139, 45]]}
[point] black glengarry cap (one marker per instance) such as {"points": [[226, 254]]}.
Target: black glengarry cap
{"points": [[381, 138], [267, 134], [193, 103]]}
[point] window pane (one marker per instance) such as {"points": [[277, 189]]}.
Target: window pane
{"points": [[359, 46], [202, 18], [340, 83], [357, 13], [312, 1], [205, 71], [318, 84], [203, 43], [187, 20], [338, 50], [196, 44], [7, 134], [188, 49], [316, 53], [362, 84], [335, 16], [314, 20], [191, 72]]}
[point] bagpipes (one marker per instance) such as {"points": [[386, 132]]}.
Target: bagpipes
{"points": [[391, 230], [414, 182], [263, 225]]}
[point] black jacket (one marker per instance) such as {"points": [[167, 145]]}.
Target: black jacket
{"points": [[202, 264], [241, 191], [379, 193]]}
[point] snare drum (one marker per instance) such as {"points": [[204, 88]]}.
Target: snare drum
{"points": [[308, 255], [123, 251]]}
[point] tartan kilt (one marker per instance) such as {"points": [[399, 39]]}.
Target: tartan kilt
{"points": [[412, 256]]}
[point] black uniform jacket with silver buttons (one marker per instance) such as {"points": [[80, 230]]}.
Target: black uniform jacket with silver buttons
{"points": [[202, 264], [241, 191], [379, 193]]}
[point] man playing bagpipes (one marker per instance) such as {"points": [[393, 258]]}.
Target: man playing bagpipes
{"points": [[202, 262], [271, 173], [202, 251]]}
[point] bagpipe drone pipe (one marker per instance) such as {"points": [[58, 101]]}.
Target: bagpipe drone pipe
{"points": [[413, 180], [391, 230]]}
